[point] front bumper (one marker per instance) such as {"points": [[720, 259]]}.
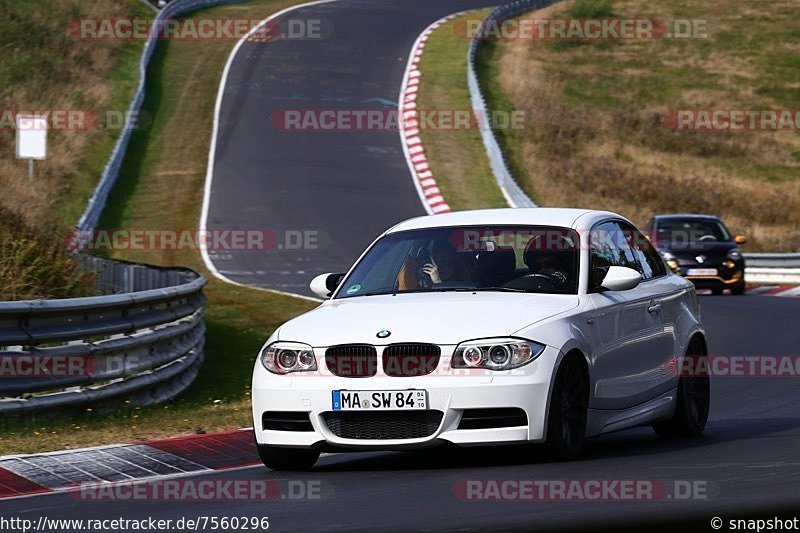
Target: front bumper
{"points": [[728, 274], [450, 391], [723, 280]]}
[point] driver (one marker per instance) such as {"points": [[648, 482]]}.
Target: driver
{"points": [[548, 262]]}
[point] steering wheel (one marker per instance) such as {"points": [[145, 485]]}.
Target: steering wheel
{"points": [[533, 282], [708, 238]]}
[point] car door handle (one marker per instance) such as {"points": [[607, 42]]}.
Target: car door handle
{"points": [[655, 308]]}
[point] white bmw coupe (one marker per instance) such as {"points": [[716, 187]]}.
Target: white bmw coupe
{"points": [[486, 327]]}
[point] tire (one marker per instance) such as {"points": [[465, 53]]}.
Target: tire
{"points": [[692, 405], [566, 420], [300, 459], [738, 290], [716, 292]]}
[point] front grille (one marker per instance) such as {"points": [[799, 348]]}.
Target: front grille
{"points": [[405, 360], [383, 425], [493, 418], [352, 360], [286, 421]]}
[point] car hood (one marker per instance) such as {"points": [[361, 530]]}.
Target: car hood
{"points": [[440, 318]]}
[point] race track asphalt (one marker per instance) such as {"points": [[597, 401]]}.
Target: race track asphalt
{"points": [[747, 459], [340, 189]]}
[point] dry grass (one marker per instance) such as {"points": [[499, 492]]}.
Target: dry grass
{"points": [[44, 68], [596, 137], [33, 264]]}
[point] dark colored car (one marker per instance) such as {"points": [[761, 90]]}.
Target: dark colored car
{"points": [[700, 248]]}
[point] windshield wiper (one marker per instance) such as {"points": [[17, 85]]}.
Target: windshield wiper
{"points": [[484, 289]]}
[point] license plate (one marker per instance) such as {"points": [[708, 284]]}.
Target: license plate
{"points": [[701, 271], [383, 400]]}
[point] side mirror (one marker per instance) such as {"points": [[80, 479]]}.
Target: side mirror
{"points": [[740, 239], [621, 279], [324, 284]]}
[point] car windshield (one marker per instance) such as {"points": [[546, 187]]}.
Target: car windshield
{"points": [[678, 231], [491, 258]]}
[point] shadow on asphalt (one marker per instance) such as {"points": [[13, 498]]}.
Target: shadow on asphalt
{"points": [[630, 443]]}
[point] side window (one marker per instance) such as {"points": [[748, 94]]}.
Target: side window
{"points": [[652, 266], [609, 247]]}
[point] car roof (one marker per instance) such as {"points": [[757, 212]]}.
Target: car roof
{"points": [[522, 216]]}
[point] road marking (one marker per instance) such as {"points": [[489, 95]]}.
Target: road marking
{"points": [[212, 149]]}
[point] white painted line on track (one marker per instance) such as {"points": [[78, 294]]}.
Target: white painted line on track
{"points": [[213, 148]]}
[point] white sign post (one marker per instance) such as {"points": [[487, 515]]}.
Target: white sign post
{"points": [[31, 139]]}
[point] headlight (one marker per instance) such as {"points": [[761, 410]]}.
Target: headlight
{"points": [[734, 254], [495, 354], [283, 357], [671, 261]]}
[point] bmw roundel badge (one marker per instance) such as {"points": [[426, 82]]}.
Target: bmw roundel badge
{"points": [[382, 334]]}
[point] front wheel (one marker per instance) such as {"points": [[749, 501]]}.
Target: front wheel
{"points": [[738, 289], [288, 458], [566, 421], [693, 402]]}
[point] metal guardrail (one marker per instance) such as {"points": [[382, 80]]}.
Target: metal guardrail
{"points": [[514, 195], [144, 346], [761, 267], [91, 215], [790, 261], [141, 341]]}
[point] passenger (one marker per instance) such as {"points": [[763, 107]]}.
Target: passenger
{"points": [[447, 265]]}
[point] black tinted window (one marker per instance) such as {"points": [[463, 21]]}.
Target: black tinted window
{"points": [[609, 246], [650, 262]]}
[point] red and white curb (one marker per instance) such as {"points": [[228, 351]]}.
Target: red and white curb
{"points": [[27, 475], [786, 291], [772, 290], [424, 180]]}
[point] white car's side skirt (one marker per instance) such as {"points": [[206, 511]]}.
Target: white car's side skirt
{"points": [[605, 421]]}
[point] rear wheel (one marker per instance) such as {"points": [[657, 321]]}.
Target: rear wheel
{"points": [[288, 458], [716, 292], [693, 398], [566, 421]]}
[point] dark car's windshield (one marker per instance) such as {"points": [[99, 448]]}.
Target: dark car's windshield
{"points": [[678, 231], [502, 258]]}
